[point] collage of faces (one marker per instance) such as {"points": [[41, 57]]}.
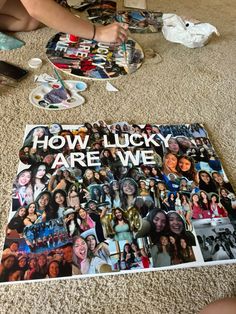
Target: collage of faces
{"points": [[117, 216]]}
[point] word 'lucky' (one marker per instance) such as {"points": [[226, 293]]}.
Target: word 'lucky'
{"points": [[91, 158]]}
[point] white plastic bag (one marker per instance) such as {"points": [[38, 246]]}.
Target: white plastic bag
{"points": [[191, 35]]}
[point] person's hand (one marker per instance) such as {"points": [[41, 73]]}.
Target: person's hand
{"points": [[8, 232], [128, 256], [70, 217], [112, 33], [87, 195]]}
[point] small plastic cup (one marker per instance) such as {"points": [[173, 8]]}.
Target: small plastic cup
{"points": [[81, 86], [35, 63]]}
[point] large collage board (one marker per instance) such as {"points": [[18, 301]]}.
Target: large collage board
{"points": [[96, 198]]}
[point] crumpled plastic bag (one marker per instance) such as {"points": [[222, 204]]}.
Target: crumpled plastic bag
{"points": [[187, 33], [8, 42]]}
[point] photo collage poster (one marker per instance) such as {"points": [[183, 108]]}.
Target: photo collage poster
{"points": [[96, 198]]}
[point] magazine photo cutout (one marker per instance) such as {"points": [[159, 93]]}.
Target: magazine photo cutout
{"points": [[107, 199]]}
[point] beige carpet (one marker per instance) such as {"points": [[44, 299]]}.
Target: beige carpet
{"points": [[180, 86]]}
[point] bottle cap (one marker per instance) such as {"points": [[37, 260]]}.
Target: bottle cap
{"points": [[35, 63]]}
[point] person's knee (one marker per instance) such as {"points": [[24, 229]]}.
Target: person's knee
{"points": [[30, 24], [222, 306], [2, 2]]}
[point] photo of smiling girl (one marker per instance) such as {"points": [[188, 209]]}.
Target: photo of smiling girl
{"points": [[22, 193], [128, 192], [206, 182], [161, 253], [186, 167], [220, 182], [100, 250], [173, 146], [43, 206], [121, 226], [177, 227], [36, 133], [184, 143], [71, 222], [83, 263], [89, 178], [170, 165], [196, 209], [186, 252], [39, 179], [176, 223], [73, 197], [95, 192], [31, 215], [159, 224], [106, 195], [53, 269], [115, 193], [59, 202], [84, 220], [106, 158]]}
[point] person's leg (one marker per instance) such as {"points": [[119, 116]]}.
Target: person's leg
{"points": [[2, 2], [14, 17], [223, 306]]}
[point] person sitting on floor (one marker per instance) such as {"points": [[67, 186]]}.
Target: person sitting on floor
{"points": [[28, 15]]}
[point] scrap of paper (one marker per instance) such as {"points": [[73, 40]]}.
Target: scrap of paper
{"points": [[44, 78], [138, 4], [111, 88]]}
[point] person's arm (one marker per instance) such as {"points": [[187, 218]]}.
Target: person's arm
{"points": [[204, 242], [103, 212], [60, 186], [27, 222], [51, 182], [188, 217], [213, 248], [87, 194], [55, 16], [105, 248], [222, 211], [143, 252]]}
